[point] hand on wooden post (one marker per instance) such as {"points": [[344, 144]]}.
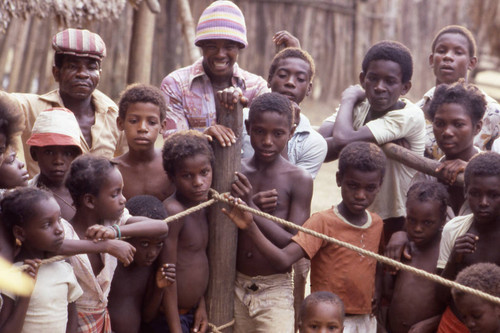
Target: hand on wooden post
{"points": [[240, 217], [229, 97]]}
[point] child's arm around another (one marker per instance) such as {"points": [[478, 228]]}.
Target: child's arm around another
{"points": [[343, 130], [135, 226]]}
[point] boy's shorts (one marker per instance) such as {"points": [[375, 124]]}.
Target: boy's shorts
{"points": [[160, 325], [264, 303]]}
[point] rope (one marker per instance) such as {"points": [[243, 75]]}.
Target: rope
{"points": [[378, 257], [167, 220], [219, 329], [218, 197]]}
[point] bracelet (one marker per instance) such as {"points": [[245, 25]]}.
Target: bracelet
{"points": [[117, 228], [114, 230]]}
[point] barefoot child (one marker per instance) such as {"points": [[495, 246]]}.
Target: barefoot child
{"points": [[34, 218], [453, 55], [414, 304], [321, 310], [188, 160], [264, 293], [333, 268], [54, 144], [478, 314], [95, 184], [133, 293], [469, 239], [377, 114], [142, 119]]}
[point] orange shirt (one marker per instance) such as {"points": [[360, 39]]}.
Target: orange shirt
{"points": [[339, 270]]}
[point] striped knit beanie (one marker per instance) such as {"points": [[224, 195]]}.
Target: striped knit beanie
{"points": [[78, 42], [222, 20]]}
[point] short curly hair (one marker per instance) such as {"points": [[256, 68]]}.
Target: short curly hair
{"points": [[467, 95], [87, 175], [182, 145], [11, 120], [141, 93], [430, 191], [272, 102], [457, 29], [17, 205], [292, 52], [320, 297], [362, 156], [484, 164], [146, 205], [482, 276], [392, 51]]}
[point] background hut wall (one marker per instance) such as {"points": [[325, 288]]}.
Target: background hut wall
{"points": [[337, 33]]}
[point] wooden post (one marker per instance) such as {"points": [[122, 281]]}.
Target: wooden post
{"points": [[141, 45], [188, 29], [223, 232], [417, 162]]}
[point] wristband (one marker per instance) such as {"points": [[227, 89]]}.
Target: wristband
{"points": [[117, 228], [114, 230]]}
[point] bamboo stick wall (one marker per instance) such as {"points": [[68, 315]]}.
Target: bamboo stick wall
{"points": [[336, 32]]}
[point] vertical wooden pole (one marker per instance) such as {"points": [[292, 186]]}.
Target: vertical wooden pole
{"points": [[188, 29], [141, 45], [223, 233]]}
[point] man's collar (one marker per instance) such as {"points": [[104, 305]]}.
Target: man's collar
{"points": [[100, 101], [197, 71]]}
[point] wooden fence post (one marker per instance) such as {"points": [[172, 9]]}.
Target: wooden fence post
{"points": [[141, 45], [223, 233], [188, 29]]}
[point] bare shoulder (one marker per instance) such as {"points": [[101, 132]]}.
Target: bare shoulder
{"points": [[297, 173], [173, 206], [121, 161]]}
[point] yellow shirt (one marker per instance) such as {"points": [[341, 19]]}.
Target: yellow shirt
{"points": [[107, 140]]}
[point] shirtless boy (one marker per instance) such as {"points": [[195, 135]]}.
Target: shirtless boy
{"points": [[469, 239], [142, 118], [188, 160], [334, 268], [264, 294], [414, 305], [134, 295]]}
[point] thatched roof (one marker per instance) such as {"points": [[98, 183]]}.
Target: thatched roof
{"points": [[65, 10]]}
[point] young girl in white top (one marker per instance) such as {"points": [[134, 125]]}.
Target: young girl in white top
{"points": [[33, 217]]}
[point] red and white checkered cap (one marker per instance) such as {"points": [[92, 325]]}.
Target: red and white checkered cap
{"points": [[78, 42]]}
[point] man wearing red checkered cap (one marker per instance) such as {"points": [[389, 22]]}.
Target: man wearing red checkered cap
{"points": [[77, 69]]}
